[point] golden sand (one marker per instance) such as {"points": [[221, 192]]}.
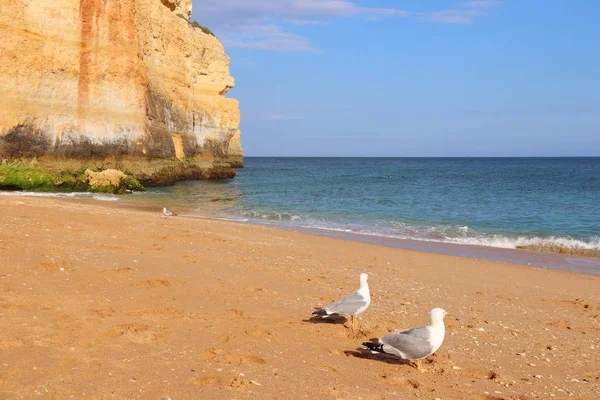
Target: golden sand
{"points": [[105, 303]]}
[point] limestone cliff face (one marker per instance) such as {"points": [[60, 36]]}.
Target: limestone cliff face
{"points": [[126, 83]]}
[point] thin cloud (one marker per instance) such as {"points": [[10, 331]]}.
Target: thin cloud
{"points": [[465, 14], [328, 117], [461, 17], [482, 3], [268, 38], [300, 22], [378, 13], [265, 24]]}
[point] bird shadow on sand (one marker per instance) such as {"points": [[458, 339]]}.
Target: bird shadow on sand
{"points": [[368, 355], [319, 317], [334, 319]]}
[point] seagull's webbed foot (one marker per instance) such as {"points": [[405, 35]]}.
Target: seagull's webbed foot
{"points": [[419, 364]]}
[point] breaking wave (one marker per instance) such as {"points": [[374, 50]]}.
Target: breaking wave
{"points": [[454, 234], [66, 195]]}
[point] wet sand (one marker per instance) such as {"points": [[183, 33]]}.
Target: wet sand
{"points": [[565, 262], [99, 302]]}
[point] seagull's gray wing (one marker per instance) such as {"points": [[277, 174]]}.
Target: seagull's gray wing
{"points": [[410, 345], [348, 305]]}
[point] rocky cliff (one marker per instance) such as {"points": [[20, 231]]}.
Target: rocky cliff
{"points": [[125, 84]]}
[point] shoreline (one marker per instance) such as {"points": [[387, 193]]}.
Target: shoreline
{"points": [[525, 257], [144, 306]]}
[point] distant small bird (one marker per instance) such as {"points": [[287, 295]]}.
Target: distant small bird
{"points": [[352, 305], [388, 177], [168, 213], [414, 344]]}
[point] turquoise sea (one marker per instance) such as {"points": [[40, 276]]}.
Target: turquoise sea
{"points": [[493, 202]]}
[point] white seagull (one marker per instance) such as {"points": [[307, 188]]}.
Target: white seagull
{"points": [[415, 344], [168, 213], [352, 305]]}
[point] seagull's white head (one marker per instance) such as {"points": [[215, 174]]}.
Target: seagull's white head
{"points": [[437, 316], [363, 279]]}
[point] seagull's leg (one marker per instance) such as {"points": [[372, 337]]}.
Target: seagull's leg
{"points": [[419, 365], [353, 322]]}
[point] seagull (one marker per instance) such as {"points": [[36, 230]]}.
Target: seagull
{"points": [[352, 305], [414, 344], [168, 213]]}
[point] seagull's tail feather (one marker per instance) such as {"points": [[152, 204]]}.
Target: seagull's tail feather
{"points": [[373, 346], [320, 312]]}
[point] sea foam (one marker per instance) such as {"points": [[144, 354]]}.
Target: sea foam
{"points": [[103, 197]]}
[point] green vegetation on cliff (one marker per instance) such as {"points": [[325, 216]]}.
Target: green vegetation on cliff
{"points": [[30, 176], [26, 176], [202, 28]]}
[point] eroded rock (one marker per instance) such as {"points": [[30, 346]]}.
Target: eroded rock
{"points": [[129, 84]]}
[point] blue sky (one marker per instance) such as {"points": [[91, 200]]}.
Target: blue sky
{"points": [[413, 77]]}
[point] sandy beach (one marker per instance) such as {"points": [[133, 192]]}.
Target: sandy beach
{"points": [[100, 302]]}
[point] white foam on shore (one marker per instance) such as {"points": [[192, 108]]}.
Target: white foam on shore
{"points": [[105, 198], [40, 194], [453, 234], [100, 197], [513, 243], [497, 241], [458, 234], [272, 216]]}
